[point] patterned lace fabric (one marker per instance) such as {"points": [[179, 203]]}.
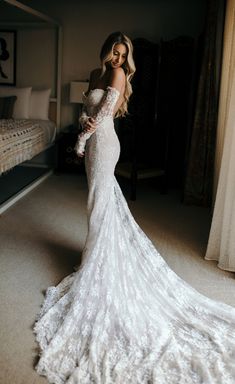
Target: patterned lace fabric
{"points": [[105, 110], [124, 316]]}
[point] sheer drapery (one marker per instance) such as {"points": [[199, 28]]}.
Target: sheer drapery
{"points": [[221, 244]]}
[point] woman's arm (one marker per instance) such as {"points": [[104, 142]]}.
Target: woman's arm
{"points": [[106, 107], [105, 110], [83, 119]]}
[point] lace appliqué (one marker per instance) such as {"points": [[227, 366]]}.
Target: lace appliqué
{"points": [[124, 317], [105, 110]]}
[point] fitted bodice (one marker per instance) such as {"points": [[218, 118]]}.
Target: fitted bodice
{"points": [[92, 100]]}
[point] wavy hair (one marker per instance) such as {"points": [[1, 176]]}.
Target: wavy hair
{"points": [[106, 55]]}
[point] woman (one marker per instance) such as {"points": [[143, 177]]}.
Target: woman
{"points": [[124, 317]]}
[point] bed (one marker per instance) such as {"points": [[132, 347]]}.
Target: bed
{"points": [[29, 105], [28, 133], [21, 140], [25, 127]]}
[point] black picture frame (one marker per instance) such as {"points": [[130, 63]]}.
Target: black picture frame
{"points": [[7, 57]]}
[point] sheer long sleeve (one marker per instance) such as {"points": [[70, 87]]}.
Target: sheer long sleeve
{"points": [[107, 105], [104, 110], [83, 117]]}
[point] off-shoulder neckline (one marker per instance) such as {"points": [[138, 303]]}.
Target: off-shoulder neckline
{"points": [[100, 89]]}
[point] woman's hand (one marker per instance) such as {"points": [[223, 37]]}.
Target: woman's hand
{"points": [[80, 148], [89, 126]]}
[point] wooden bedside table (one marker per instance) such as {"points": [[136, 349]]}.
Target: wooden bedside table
{"points": [[68, 161]]}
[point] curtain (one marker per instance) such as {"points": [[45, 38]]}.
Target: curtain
{"points": [[200, 163], [221, 244]]}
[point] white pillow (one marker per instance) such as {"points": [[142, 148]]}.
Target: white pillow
{"points": [[21, 107], [39, 104]]}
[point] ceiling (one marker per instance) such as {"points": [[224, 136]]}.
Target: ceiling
{"points": [[11, 14]]}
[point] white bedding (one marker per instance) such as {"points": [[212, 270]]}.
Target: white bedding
{"points": [[22, 139], [49, 128]]}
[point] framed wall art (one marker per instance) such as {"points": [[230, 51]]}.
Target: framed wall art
{"points": [[7, 57]]}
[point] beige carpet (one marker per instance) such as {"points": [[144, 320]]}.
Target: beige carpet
{"points": [[41, 238]]}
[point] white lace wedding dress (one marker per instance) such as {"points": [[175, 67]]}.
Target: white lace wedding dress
{"points": [[125, 317]]}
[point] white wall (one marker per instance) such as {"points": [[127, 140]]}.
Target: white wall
{"points": [[87, 23], [36, 58]]}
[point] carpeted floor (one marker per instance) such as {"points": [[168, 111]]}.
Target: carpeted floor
{"points": [[41, 238]]}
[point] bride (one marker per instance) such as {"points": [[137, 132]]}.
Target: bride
{"points": [[124, 316]]}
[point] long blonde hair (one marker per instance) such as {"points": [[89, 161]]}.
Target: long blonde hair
{"points": [[106, 55]]}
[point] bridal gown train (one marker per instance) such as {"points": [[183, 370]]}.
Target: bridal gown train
{"points": [[124, 316]]}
